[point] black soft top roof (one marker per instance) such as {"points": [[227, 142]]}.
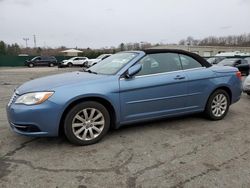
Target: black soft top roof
{"points": [[198, 58]]}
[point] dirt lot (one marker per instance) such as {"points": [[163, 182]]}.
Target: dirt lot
{"points": [[182, 152]]}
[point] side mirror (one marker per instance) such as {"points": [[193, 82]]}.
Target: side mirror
{"points": [[133, 70]]}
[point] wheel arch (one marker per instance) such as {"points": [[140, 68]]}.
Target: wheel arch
{"points": [[107, 104], [225, 88]]}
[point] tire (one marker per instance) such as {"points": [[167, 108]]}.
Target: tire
{"points": [[248, 93], [70, 64], [217, 105], [31, 65], [80, 116], [51, 64]]}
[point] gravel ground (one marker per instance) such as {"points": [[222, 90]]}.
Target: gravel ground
{"points": [[180, 152]]}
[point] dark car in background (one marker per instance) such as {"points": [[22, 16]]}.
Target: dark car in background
{"points": [[239, 63], [42, 61]]}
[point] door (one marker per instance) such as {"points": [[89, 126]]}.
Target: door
{"points": [[38, 61], [75, 61], [198, 84], [81, 60], [159, 89], [45, 61]]}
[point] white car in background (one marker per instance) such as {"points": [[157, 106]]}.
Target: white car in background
{"points": [[92, 62], [74, 61], [246, 85]]}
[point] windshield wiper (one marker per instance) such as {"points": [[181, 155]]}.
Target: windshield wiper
{"points": [[89, 71]]}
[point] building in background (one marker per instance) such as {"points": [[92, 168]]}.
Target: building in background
{"points": [[206, 51], [71, 52]]}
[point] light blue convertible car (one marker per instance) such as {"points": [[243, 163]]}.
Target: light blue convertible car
{"points": [[127, 87]]}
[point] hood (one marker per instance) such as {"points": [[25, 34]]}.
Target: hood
{"points": [[49, 83], [92, 60]]}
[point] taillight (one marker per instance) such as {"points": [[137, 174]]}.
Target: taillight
{"points": [[238, 74]]}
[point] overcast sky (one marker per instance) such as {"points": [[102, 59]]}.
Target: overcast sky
{"points": [[101, 23]]}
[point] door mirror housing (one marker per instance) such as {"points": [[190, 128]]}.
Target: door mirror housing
{"points": [[133, 70]]}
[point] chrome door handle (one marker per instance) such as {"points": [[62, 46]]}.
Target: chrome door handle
{"points": [[179, 77]]}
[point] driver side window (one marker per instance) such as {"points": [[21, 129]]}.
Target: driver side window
{"points": [[160, 63]]}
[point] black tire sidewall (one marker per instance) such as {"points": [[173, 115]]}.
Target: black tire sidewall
{"points": [[70, 115], [208, 110]]}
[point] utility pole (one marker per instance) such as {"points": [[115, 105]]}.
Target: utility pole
{"points": [[26, 41], [34, 40]]}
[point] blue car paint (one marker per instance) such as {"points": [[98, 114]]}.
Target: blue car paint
{"points": [[136, 99]]}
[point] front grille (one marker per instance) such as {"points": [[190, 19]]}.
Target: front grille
{"points": [[12, 99]]}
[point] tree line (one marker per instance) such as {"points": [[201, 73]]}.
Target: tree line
{"points": [[9, 49], [231, 40], [15, 49]]}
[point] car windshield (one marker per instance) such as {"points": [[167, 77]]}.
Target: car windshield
{"points": [[72, 58], [227, 62], [33, 59], [113, 63]]}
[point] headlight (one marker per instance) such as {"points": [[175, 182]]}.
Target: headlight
{"points": [[33, 98]]}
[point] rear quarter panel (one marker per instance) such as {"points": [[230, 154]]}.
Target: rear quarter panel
{"points": [[203, 82], [226, 77]]}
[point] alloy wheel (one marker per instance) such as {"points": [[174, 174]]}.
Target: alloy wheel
{"points": [[219, 105], [88, 124]]}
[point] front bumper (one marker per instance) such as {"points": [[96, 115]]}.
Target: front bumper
{"points": [[61, 64], [246, 87], [34, 120]]}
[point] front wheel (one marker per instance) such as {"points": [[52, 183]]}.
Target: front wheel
{"points": [[217, 105], [30, 65], [86, 123]]}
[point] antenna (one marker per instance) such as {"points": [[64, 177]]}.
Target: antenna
{"points": [[34, 40], [26, 41]]}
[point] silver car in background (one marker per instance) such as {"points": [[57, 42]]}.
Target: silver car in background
{"points": [[92, 62]]}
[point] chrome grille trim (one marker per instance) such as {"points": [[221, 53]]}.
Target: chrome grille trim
{"points": [[12, 99]]}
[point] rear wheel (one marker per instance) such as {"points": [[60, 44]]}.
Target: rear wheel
{"points": [[217, 105], [86, 123], [51, 64]]}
